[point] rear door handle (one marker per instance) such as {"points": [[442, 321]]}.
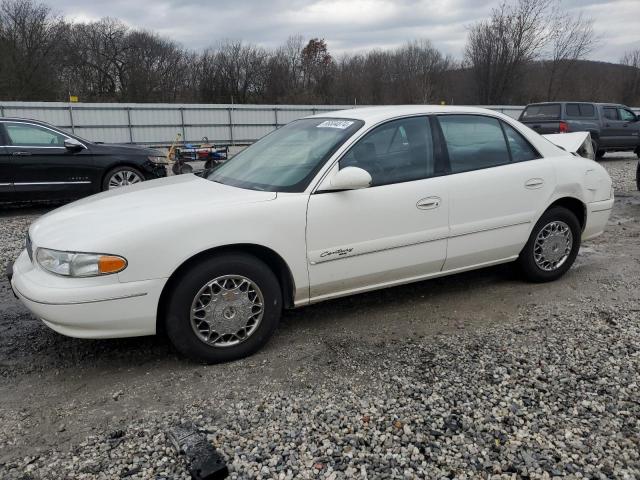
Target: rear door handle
{"points": [[21, 154], [534, 183], [429, 203]]}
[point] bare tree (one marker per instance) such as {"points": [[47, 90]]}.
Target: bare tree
{"points": [[233, 72], [419, 72], [29, 47], [284, 76], [631, 80], [155, 68], [97, 58], [570, 39], [499, 48]]}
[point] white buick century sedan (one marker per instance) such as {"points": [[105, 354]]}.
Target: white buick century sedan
{"points": [[327, 206]]}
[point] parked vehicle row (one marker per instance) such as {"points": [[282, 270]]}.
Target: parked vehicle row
{"points": [[324, 207], [612, 127], [41, 162]]}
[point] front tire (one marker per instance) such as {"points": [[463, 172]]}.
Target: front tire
{"points": [[121, 177], [552, 247], [224, 308]]}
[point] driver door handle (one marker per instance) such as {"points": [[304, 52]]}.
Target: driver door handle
{"points": [[21, 154], [429, 203]]}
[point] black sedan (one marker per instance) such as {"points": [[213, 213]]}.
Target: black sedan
{"points": [[41, 162]]}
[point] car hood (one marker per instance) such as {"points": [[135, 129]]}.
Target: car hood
{"points": [[118, 149], [95, 221]]}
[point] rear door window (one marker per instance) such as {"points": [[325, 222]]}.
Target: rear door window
{"points": [[572, 109], [473, 142], [579, 110], [587, 110], [610, 113], [548, 111]]}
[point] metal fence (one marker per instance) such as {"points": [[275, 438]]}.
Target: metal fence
{"points": [[159, 123]]}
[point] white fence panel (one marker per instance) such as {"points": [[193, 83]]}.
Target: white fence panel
{"points": [[159, 124]]}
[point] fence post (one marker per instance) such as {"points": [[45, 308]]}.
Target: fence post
{"points": [[1, 110], [275, 115], [129, 124], [184, 130], [73, 127], [230, 126]]}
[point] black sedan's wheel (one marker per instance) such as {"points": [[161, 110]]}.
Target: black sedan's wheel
{"points": [[638, 175], [552, 247], [224, 308], [121, 177]]}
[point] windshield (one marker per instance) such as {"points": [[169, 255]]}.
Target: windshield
{"points": [[287, 159]]}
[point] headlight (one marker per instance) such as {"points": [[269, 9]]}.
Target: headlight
{"points": [[73, 264], [158, 159]]}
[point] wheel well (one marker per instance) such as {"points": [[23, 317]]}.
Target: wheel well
{"points": [[274, 261], [575, 206]]}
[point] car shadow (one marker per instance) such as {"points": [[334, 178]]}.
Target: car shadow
{"points": [[29, 347]]}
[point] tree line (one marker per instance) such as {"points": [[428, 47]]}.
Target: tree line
{"points": [[527, 50]]}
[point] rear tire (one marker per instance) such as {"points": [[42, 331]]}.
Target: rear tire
{"points": [[638, 176], [213, 314], [600, 153], [552, 247]]}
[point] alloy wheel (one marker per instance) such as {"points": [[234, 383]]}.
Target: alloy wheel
{"points": [[123, 178]]}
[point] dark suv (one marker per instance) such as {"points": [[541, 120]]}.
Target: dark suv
{"points": [[41, 162], [612, 127]]}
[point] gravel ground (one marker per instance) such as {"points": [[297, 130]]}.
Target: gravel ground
{"points": [[478, 375]]}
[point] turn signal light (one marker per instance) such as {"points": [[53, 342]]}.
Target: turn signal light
{"points": [[111, 264]]}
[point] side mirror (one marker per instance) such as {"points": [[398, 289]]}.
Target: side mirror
{"points": [[348, 178], [73, 145]]}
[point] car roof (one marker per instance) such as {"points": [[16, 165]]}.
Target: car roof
{"points": [[377, 114], [576, 101], [20, 119]]}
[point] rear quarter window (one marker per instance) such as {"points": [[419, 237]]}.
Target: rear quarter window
{"points": [[548, 111]]}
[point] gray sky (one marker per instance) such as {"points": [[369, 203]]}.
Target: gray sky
{"points": [[347, 25]]}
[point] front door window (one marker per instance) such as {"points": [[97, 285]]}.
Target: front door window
{"points": [[26, 135]]}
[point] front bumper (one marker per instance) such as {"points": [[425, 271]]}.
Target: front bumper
{"points": [[96, 307], [152, 170], [597, 216]]}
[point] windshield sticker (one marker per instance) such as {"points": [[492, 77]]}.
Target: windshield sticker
{"points": [[341, 124]]}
